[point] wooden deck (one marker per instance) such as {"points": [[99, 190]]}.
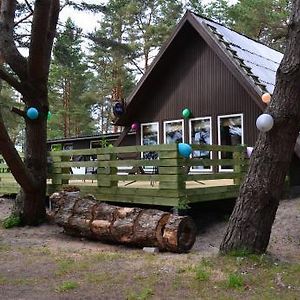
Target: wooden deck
{"points": [[170, 185]]}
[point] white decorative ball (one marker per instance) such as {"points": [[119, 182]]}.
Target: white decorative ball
{"points": [[249, 151], [264, 122]]}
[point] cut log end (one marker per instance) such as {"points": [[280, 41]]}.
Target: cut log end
{"points": [[179, 234]]}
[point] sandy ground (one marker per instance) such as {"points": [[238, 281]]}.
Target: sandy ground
{"points": [[36, 261], [284, 243]]}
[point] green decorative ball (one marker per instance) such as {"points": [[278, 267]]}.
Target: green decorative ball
{"points": [[186, 113]]}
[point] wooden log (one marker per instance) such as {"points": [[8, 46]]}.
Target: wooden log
{"points": [[179, 234], [123, 227], [79, 222], [86, 217], [104, 216], [63, 204], [148, 228]]}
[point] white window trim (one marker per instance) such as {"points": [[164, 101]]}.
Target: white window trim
{"points": [[172, 121], [210, 140], [151, 123], [219, 135]]}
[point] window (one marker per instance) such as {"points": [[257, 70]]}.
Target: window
{"points": [[149, 134], [230, 132], [200, 132], [173, 132]]}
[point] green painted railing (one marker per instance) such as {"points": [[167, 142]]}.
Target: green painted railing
{"points": [[121, 174]]}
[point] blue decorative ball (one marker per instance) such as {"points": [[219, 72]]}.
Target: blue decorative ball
{"points": [[32, 113], [118, 109], [184, 150]]}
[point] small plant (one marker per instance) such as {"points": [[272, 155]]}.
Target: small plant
{"points": [[67, 286], [144, 294], [235, 281], [202, 274], [243, 252], [182, 205], [11, 221]]}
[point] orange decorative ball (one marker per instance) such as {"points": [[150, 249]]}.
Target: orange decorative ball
{"points": [[266, 98]]}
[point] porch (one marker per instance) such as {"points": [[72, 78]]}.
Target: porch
{"points": [[121, 174]]}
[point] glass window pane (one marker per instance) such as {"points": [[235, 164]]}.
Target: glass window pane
{"points": [[173, 131], [200, 134], [231, 134], [150, 134]]}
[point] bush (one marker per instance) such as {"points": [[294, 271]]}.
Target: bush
{"points": [[11, 221]]}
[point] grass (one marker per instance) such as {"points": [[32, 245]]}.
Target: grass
{"points": [[67, 286], [144, 294], [138, 275], [235, 281], [202, 274]]}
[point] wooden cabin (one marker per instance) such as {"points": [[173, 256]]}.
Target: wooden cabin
{"points": [[204, 87], [218, 75]]}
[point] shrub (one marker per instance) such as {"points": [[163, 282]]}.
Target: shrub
{"points": [[11, 221]]}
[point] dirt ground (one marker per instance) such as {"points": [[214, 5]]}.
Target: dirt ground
{"points": [[29, 255]]}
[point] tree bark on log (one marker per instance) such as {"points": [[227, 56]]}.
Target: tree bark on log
{"points": [[87, 217]]}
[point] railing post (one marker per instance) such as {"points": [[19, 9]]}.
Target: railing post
{"points": [[57, 172], [105, 171], [239, 167], [172, 172]]}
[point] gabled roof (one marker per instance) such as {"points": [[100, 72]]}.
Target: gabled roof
{"points": [[253, 64]]}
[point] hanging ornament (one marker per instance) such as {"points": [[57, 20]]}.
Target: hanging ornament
{"points": [[186, 113], [118, 109], [184, 150], [135, 126], [32, 113], [266, 98], [264, 122]]}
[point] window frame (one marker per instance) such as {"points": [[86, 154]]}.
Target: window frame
{"points": [[172, 121], [145, 124], [210, 140], [219, 117]]}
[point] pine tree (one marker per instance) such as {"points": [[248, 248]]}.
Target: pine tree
{"points": [[69, 79]]}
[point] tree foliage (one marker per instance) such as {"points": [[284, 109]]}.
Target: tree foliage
{"points": [[69, 81], [263, 20]]}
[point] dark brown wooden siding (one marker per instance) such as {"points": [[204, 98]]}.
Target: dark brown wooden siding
{"points": [[189, 74]]}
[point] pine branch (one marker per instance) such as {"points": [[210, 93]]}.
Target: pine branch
{"points": [[11, 80], [8, 47], [94, 8]]}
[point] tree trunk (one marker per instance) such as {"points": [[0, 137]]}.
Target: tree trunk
{"points": [[252, 218], [86, 217], [29, 76], [35, 159]]}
